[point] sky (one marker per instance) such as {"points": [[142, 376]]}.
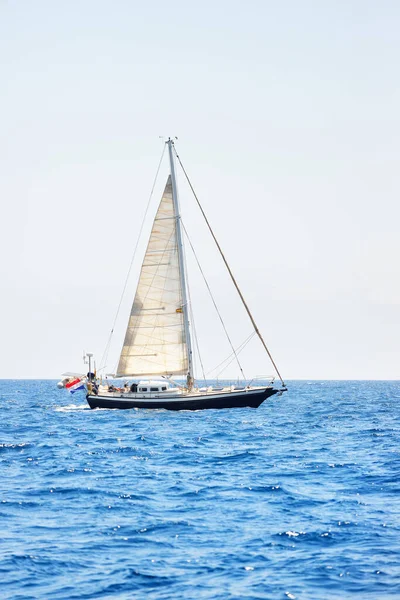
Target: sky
{"points": [[287, 121]]}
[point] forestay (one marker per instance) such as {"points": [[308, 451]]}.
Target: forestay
{"points": [[155, 338]]}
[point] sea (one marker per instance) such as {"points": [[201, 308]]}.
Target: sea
{"points": [[298, 499]]}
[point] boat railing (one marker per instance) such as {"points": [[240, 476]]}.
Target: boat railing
{"points": [[261, 379]]}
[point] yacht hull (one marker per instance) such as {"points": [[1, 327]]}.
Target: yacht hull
{"points": [[235, 399]]}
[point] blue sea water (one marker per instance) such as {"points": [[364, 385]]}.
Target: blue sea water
{"points": [[297, 499]]}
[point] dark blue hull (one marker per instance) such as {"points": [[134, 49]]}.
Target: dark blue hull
{"points": [[250, 398]]}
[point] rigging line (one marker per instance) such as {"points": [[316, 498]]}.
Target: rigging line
{"points": [[230, 272], [197, 343], [192, 313], [238, 350], [133, 256], [212, 298]]}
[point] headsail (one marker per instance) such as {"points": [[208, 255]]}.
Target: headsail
{"points": [[155, 342]]}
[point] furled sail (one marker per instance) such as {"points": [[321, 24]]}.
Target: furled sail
{"points": [[155, 338]]}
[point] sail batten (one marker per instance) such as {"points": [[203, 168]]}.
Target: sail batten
{"points": [[155, 342]]}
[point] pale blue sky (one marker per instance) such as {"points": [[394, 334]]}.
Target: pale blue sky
{"points": [[288, 123]]}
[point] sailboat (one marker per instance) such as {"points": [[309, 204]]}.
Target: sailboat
{"points": [[158, 341]]}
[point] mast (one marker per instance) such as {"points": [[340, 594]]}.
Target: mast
{"points": [[182, 274]]}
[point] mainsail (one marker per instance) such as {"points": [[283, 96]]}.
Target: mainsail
{"points": [[155, 342]]}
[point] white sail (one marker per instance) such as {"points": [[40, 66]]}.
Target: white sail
{"points": [[155, 342]]}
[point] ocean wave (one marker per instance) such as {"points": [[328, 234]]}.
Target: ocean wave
{"points": [[296, 499]]}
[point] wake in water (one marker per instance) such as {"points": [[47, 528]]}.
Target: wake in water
{"points": [[71, 407]]}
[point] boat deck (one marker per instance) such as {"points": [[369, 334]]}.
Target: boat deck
{"points": [[178, 393]]}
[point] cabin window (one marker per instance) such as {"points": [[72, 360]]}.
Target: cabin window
{"points": [[143, 389], [164, 389], [154, 389]]}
